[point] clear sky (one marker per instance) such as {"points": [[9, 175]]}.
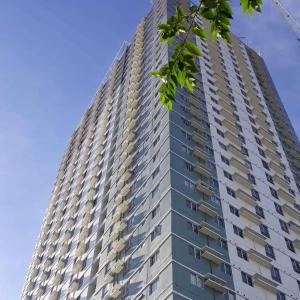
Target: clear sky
{"points": [[53, 55]]}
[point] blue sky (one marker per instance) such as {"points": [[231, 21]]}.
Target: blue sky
{"points": [[53, 55]]}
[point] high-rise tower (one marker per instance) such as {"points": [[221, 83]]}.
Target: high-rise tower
{"points": [[199, 203]]}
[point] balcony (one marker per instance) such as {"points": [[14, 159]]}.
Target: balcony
{"points": [[225, 105], [202, 187], [111, 255], [272, 155], [195, 111], [199, 153], [242, 180], [293, 212], [119, 199], [117, 267], [78, 266], [198, 139], [211, 255], [108, 278], [84, 233], [80, 249], [236, 152], [197, 125], [118, 228], [245, 197], [238, 165], [227, 114], [86, 219], [295, 227], [116, 291], [74, 286], [207, 208], [215, 282], [209, 230], [255, 236], [265, 283], [265, 133], [251, 216], [199, 168], [296, 243], [259, 258], [276, 168], [54, 295], [268, 144], [57, 279], [285, 196], [233, 139], [195, 102], [230, 126], [120, 245], [282, 182], [90, 194]]}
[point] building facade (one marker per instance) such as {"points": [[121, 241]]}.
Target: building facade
{"points": [[198, 203]]}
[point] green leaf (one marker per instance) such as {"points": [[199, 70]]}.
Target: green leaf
{"points": [[199, 31], [192, 47]]}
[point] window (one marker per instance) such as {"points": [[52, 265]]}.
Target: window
{"points": [[255, 194], [155, 191], [269, 178], [156, 141], [222, 243], [248, 164], [246, 278], [220, 133], [264, 230], [238, 231], [278, 208], [186, 149], [280, 296], [242, 253], [226, 268], [191, 205], [270, 251], [261, 152], [195, 252], [192, 227], [196, 280], [259, 211], [242, 139], [296, 265], [153, 286], [155, 172], [188, 166], [225, 160], [258, 141], [289, 244], [251, 178], [153, 258], [275, 274], [154, 212], [274, 193], [244, 151], [155, 232], [220, 221], [284, 226], [234, 210], [189, 184], [265, 164], [224, 147], [230, 192], [228, 175]]}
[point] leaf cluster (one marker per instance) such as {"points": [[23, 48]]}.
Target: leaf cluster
{"points": [[181, 69]]}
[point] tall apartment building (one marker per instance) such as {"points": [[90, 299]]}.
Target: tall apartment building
{"points": [[199, 203]]}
